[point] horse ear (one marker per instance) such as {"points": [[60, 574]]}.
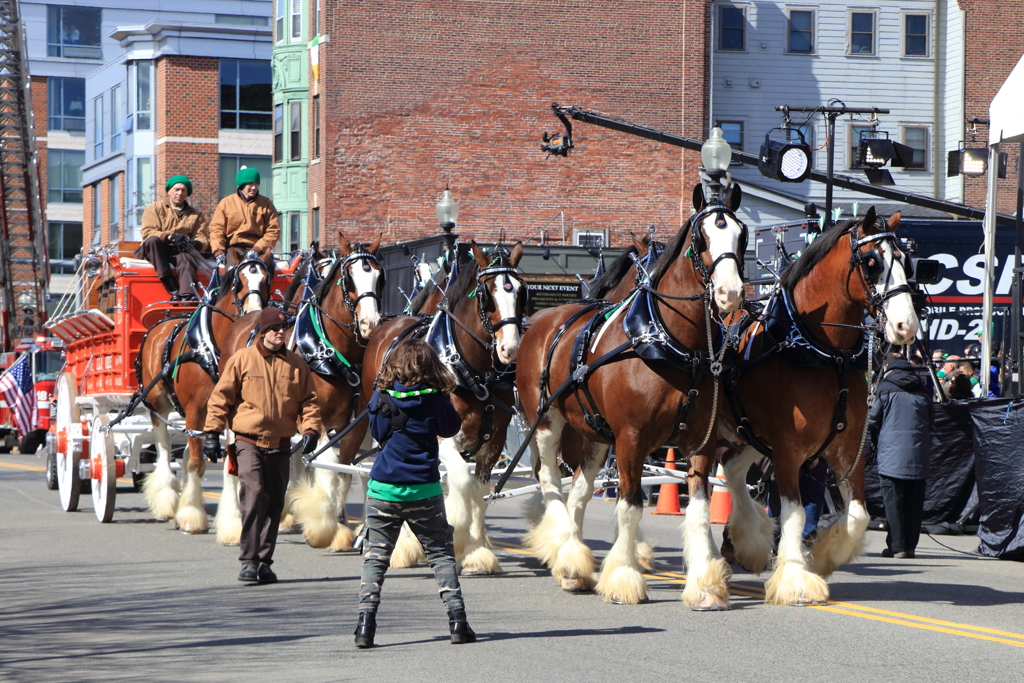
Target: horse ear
{"points": [[698, 197], [376, 244], [642, 244], [517, 254], [734, 195], [478, 254], [869, 219], [343, 246], [894, 221]]}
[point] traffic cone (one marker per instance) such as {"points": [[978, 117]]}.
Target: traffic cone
{"points": [[721, 500], [668, 494]]}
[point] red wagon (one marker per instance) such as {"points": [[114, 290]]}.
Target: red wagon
{"points": [[119, 299]]}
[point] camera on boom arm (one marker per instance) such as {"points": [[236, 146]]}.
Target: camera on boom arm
{"points": [[920, 272]]}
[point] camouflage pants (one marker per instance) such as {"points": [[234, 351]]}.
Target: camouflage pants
{"points": [[428, 522]]}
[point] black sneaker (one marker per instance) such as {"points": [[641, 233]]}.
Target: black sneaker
{"points": [[266, 574], [248, 573]]}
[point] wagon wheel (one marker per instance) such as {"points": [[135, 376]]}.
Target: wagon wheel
{"points": [[104, 469], [68, 481]]}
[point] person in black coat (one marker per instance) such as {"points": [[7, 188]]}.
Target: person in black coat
{"points": [[902, 417]]}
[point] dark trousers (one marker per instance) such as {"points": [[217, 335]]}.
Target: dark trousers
{"points": [[904, 506], [165, 257], [235, 254], [262, 480], [429, 523]]}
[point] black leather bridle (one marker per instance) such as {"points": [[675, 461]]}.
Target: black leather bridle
{"points": [[699, 244], [251, 259], [368, 262]]}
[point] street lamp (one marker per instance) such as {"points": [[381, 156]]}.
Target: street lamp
{"points": [[447, 211], [715, 154]]}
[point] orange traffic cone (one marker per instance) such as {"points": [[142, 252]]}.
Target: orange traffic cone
{"points": [[668, 494], [721, 500]]}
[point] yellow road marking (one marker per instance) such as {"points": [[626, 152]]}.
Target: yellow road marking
{"points": [[852, 610], [19, 466]]}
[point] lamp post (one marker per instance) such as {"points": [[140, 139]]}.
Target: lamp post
{"points": [[715, 155], [447, 211]]}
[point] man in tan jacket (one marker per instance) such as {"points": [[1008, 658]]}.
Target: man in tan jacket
{"points": [[244, 220], [173, 234], [264, 391]]}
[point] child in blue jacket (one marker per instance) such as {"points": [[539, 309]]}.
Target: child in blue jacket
{"points": [[409, 410]]}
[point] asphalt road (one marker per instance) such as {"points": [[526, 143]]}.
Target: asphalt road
{"points": [[137, 600]]}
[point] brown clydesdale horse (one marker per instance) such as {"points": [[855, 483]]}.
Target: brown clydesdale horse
{"points": [[346, 305], [478, 327], [244, 288], [790, 403], [637, 405]]}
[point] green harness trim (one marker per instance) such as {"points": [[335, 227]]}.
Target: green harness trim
{"points": [[184, 336], [324, 339], [413, 393]]}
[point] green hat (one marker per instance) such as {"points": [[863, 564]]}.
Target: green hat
{"points": [[246, 176], [174, 180]]}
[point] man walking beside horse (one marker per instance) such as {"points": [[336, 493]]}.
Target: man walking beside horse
{"points": [[264, 391]]}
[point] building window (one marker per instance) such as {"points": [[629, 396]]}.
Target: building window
{"points": [[66, 100], [240, 20], [74, 32], [246, 98], [801, 32], [915, 35], [97, 214], [732, 131], [115, 119], [230, 165], [64, 175], [315, 237], [296, 19], [294, 226], [97, 127], [316, 126], [144, 95], [732, 29], [143, 186], [114, 234], [862, 33], [279, 25], [278, 133], [591, 239], [856, 132], [916, 137], [316, 18], [63, 245], [295, 129]]}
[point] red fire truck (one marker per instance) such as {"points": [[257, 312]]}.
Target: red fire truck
{"points": [[47, 360]]}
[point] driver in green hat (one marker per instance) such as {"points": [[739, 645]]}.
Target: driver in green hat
{"points": [[244, 220], [173, 235]]}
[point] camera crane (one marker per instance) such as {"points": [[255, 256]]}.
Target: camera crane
{"points": [[24, 274]]}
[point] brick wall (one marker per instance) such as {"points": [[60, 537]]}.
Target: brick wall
{"points": [[41, 125], [188, 97], [88, 222], [419, 94], [993, 31]]}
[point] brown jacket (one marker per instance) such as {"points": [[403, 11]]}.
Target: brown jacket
{"points": [[239, 223], [263, 396], [160, 220]]}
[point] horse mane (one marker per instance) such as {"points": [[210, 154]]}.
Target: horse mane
{"points": [[613, 275], [227, 283], [815, 253], [672, 249], [421, 296], [322, 287], [465, 282], [297, 277]]}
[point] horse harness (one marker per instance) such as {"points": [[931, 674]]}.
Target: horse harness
{"points": [[780, 322]]}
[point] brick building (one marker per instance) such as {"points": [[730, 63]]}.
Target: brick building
{"points": [[412, 96]]}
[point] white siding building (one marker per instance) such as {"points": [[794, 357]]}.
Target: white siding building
{"points": [[906, 57]]}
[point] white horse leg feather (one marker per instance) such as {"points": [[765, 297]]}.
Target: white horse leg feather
{"points": [[750, 529], [229, 517], [315, 505], [844, 540], [161, 487], [707, 576], [791, 583], [344, 538], [621, 581], [191, 516]]}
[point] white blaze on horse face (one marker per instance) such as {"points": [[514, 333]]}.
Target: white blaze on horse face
{"points": [[367, 311], [507, 336], [253, 276], [726, 280], [901, 321]]}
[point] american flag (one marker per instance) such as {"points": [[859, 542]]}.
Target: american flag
{"points": [[18, 391]]}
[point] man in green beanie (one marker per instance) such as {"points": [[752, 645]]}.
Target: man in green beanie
{"points": [[244, 220], [173, 234]]}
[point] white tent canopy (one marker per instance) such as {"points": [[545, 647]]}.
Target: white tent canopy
{"points": [[1006, 125]]}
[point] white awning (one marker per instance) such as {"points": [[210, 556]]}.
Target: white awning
{"points": [[1006, 113]]}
